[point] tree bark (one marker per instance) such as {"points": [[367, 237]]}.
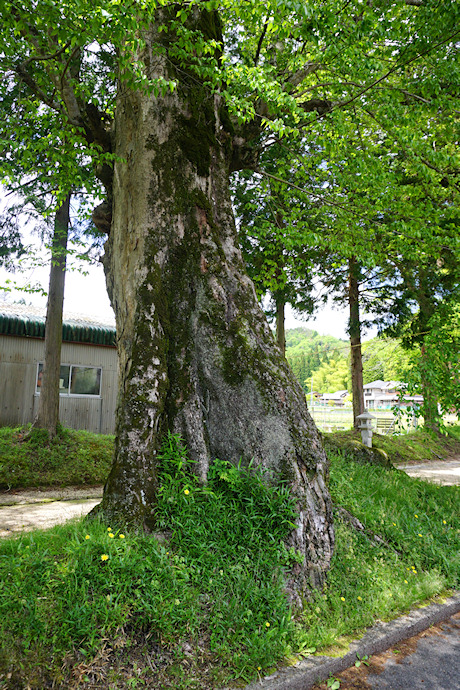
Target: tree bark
{"points": [[426, 304], [430, 411], [280, 325], [355, 341], [196, 355], [48, 404]]}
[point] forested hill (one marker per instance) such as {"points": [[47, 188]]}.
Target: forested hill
{"points": [[307, 352], [326, 360]]}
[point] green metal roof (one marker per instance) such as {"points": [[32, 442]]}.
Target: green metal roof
{"points": [[27, 322]]}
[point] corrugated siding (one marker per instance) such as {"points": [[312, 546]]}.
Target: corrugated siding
{"points": [[78, 413], [72, 331], [18, 369]]}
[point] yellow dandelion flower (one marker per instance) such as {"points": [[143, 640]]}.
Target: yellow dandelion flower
{"points": [[104, 557], [444, 522], [112, 536], [420, 535], [186, 492], [122, 536], [342, 598], [267, 624], [406, 582], [416, 516], [87, 536], [109, 529], [415, 572], [394, 524], [359, 599], [259, 668]]}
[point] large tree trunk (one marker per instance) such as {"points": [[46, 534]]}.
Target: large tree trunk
{"points": [[48, 404], [196, 354], [355, 341]]}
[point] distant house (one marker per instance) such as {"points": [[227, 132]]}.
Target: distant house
{"points": [[386, 394], [337, 398], [89, 377]]}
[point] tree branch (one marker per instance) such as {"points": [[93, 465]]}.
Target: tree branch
{"points": [[36, 58], [27, 78], [261, 40], [395, 68], [398, 141]]}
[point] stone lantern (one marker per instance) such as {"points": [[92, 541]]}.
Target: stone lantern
{"points": [[365, 427]]}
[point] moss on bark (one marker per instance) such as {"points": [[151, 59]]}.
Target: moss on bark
{"points": [[196, 354]]}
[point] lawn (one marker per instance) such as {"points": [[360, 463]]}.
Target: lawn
{"points": [[30, 459], [200, 604]]}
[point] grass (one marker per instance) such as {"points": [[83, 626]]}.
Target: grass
{"points": [[72, 457], [416, 446], [201, 603], [79, 457]]}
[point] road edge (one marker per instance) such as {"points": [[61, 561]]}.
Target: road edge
{"points": [[374, 641]]}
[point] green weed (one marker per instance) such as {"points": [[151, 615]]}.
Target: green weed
{"points": [[218, 578]]}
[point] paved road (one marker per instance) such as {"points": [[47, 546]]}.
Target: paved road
{"points": [[434, 664], [429, 660]]}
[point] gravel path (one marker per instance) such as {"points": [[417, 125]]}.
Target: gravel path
{"points": [[445, 472], [28, 516], [46, 494]]}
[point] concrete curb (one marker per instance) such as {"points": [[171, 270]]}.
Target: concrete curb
{"points": [[377, 639]]}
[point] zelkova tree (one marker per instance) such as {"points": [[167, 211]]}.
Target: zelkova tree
{"points": [[197, 84]]}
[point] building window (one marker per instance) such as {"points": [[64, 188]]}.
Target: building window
{"points": [[75, 380]]}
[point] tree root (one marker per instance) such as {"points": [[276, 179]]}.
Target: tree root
{"points": [[351, 520]]}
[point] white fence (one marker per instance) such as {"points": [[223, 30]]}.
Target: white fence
{"points": [[387, 422], [341, 419]]}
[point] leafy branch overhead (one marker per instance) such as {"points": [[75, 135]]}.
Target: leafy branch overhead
{"points": [[283, 69]]}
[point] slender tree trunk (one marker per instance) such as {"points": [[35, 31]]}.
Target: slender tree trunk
{"points": [[431, 416], [48, 404], [196, 355], [426, 304], [355, 341], [280, 324]]}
